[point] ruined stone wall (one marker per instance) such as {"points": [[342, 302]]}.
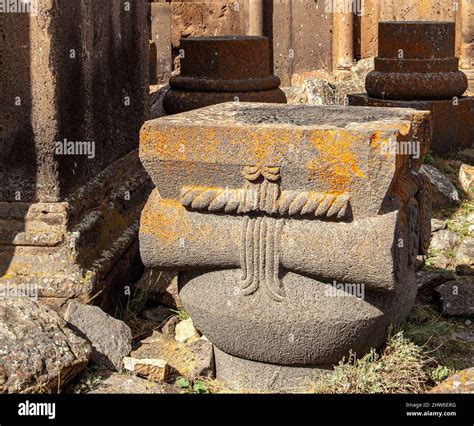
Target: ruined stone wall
{"points": [[28, 114], [302, 38], [76, 72], [305, 36], [64, 68], [101, 94]]}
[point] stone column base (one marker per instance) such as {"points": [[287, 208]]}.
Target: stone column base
{"points": [[453, 125], [243, 374], [83, 246]]}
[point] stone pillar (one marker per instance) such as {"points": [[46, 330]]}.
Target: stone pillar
{"points": [[286, 224], [256, 17], [467, 43], [467, 38], [161, 39], [343, 40], [368, 23], [417, 68], [71, 186], [222, 69], [302, 39]]}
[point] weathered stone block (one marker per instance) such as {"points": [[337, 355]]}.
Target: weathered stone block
{"points": [[452, 122], [38, 352], [416, 68], [265, 208], [110, 338]]}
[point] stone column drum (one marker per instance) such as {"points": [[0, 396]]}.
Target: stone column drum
{"points": [[416, 68], [222, 69], [274, 215]]}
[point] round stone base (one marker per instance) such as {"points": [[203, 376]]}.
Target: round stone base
{"points": [[247, 375]]}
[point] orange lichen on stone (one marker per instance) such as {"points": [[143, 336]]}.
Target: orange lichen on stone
{"points": [[337, 160], [461, 382], [167, 221]]}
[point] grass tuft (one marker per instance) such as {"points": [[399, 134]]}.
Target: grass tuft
{"points": [[399, 369]]}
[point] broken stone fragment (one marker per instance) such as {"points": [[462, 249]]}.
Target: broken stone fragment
{"points": [[443, 193], [465, 256], [427, 281], [466, 179], [185, 331], [169, 328], [443, 240], [38, 352], [156, 370], [188, 360], [437, 225], [461, 382], [110, 337], [117, 383], [457, 298]]}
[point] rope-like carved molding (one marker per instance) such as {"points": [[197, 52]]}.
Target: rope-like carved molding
{"points": [[253, 173], [246, 200]]}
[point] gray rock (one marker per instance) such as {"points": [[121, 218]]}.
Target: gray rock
{"points": [[437, 225], [110, 337], [156, 102], [38, 352], [295, 95], [444, 194], [204, 357], [127, 384], [443, 240], [319, 92], [465, 252], [457, 298], [360, 70], [158, 314], [170, 326], [426, 281], [189, 360]]}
